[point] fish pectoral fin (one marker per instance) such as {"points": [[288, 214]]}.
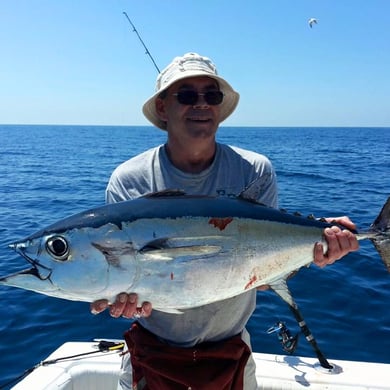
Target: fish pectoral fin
{"points": [[180, 252], [180, 247]]}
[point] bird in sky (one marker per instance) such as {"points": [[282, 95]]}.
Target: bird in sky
{"points": [[312, 21]]}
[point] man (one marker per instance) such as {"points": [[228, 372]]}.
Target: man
{"points": [[190, 102]]}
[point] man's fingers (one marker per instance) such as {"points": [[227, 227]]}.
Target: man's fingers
{"points": [[319, 258], [146, 309], [340, 242], [125, 305], [99, 306], [131, 306], [117, 308]]}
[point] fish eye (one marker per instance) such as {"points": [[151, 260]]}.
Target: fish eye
{"points": [[58, 247]]}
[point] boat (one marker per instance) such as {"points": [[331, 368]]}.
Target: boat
{"points": [[89, 366]]}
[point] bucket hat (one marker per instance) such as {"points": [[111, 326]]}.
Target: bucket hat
{"points": [[190, 65]]}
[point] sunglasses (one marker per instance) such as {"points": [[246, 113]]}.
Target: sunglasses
{"points": [[190, 98]]}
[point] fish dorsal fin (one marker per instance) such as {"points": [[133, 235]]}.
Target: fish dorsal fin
{"points": [[167, 192]]}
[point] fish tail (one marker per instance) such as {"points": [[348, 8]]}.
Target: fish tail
{"points": [[381, 239]]}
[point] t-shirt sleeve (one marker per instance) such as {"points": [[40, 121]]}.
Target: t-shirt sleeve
{"points": [[264, 187]]}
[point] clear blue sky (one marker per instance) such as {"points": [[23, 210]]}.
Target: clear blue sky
{"points": [[78, 62]]}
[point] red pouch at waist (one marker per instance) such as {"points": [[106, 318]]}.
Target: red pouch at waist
{"points": [[206, 366]]}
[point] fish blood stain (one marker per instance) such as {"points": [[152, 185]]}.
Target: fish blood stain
{"points": [[251, 282], [220, 223]]}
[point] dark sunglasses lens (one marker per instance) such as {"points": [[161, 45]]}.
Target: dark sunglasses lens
{"points": [[191, 97], [187, 97], [213, 97]]}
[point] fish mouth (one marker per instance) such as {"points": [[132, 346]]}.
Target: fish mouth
{"points": [[34, 272], [38, 270]]}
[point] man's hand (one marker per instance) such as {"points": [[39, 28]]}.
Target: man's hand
{"points": [[340, 242], [125, 305]]}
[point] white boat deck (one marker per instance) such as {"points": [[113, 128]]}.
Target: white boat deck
{"points": [[274, 372]]}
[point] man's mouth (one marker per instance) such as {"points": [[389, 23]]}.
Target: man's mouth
{"points": [[198, 119]]}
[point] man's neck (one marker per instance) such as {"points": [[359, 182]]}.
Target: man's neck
{"points": [[193, 158]]}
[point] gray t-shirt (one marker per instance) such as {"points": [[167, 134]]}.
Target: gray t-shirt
{"points": [[232, 171]]}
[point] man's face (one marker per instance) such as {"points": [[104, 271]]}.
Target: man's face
{"points": [[197, 120]]}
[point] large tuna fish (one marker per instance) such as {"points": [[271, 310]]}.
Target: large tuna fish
{"points": [[176, 251]]}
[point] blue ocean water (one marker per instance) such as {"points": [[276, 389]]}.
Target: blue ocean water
{"points": [[49, 172]]}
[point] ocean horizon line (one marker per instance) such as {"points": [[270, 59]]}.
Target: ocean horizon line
{"points": [[221, 126]]}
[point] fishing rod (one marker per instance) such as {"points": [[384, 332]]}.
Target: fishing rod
{"points": [[310, 338], [143, 44], [283, 292]]}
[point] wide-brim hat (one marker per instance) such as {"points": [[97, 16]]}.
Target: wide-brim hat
{"points": [[190, 65]]}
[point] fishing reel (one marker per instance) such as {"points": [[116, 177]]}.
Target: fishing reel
{"points": [[289, 342]]}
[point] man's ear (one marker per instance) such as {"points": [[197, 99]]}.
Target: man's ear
{"points": [[160, 109]]}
